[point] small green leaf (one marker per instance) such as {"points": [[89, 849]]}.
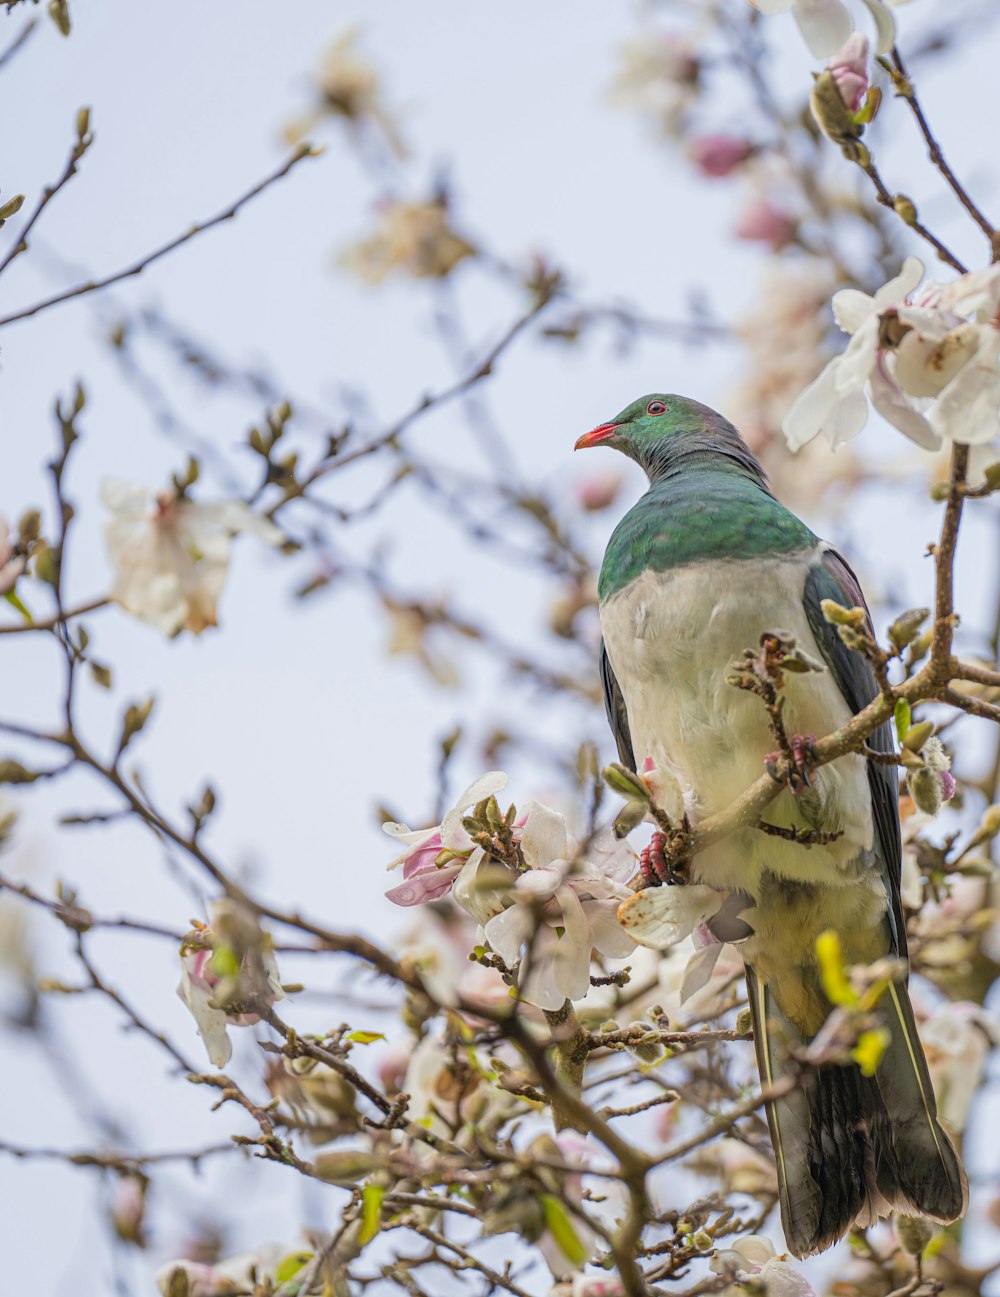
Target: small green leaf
{"points": [[371, 1212], [901, 715], [224, 962], [15, 602], [364, 1037], [290, 1265], [559, 1225]]}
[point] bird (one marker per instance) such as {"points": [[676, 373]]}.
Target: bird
{"points": [[700, 568]]}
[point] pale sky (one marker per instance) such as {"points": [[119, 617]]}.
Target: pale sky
{"points": [[293, 710]]}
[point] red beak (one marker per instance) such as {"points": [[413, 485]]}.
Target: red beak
{"points": [[594, 438]]}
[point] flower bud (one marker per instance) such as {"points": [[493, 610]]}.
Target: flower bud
{"points": [[346, 1165], [905, 209], [913, 1232], [832, 115], [917, 735], [11, 207], [925, 789], [837, 615], [906, 627], [629, 817], [625, 781]]}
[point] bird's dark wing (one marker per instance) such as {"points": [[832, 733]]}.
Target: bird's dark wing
{"points": [[614, 705], [831, 578]]}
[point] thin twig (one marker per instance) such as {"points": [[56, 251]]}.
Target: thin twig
{"points": [[137, 267]]}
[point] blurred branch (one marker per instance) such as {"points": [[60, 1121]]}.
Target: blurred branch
{"points": [[19, 41], [84, 139], [137, 267]]}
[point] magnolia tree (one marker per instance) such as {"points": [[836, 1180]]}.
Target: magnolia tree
{"points": [[534, 1084]]}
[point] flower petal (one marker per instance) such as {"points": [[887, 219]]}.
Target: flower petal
{"points": [[427, 885], [851, 308], [885, 26], [891, 403], [825, 25], [606, 934], [661, 916], [898, 289], [544, 837]]}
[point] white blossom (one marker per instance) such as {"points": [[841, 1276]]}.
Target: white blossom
{"points": [[560, 909], [928, 368], [171, 554], [826, 24], [957, 1039], [754, 1258]]}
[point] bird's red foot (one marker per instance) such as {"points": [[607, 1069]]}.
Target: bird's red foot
{"points": [[796, 761], [653, 863]]}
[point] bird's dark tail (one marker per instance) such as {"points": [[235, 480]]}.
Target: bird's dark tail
{"points": [[850, 1148]]}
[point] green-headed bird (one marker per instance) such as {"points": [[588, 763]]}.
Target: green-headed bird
{"points": [[697, 571]]}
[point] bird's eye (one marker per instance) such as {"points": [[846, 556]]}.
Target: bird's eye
{"points": [[656, 407]]}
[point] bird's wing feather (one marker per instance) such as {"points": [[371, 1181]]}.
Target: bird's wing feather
{"points": [[831, 578], [614, 704]]}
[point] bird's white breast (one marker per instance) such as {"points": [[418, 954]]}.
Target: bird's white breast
{"points": [[672, 638]]}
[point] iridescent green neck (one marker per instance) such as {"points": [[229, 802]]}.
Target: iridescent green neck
{"points": [[708, 507]]}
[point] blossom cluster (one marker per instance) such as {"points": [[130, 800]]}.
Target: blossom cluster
{"points": [[927, 356], [546, 912]]}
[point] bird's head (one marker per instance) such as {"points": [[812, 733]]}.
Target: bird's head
{"points": [[660, 429]]}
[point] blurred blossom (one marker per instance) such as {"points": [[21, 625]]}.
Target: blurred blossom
{"points": [[929, 369], [218, 979], [573, 1148], [410, 634], [11, 567], [659, 77], [237, 1274], [128, 1209], [762, 221], [171, 554], [452, 1093], [413, 238], [756, 1261], [424, 879], [598, 490], [740, 1168], [586, 1285], [348, 88], [957, 1040], [849, 69], [315, 1094], [718, 155], [562, 909], [825, 24]]}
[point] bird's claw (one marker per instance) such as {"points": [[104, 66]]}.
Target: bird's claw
{"points": [[793, 765], [655, 864]]}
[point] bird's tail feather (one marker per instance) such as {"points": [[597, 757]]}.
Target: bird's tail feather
{"points": [[848, 1148]]}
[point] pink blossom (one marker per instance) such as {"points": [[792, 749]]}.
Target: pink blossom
{"points": [[762, 222], [423, 879], [718, 155], [257, 978], [947, 780], [597, 492], [849, 69]]}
